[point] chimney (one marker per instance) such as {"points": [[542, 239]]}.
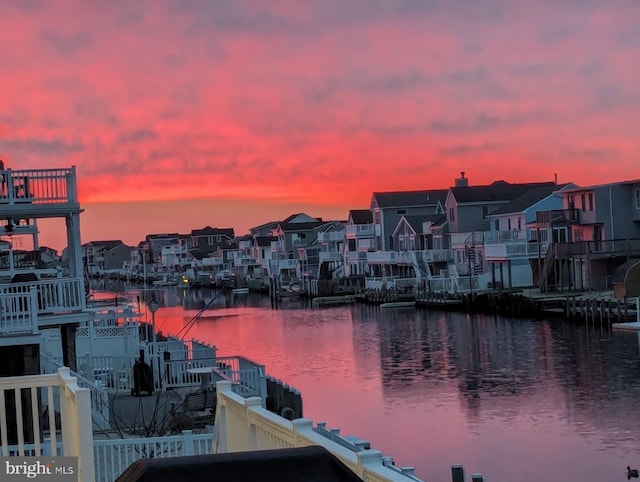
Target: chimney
{"points": [[462, 181]]}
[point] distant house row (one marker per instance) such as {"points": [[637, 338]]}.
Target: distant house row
{"points": [[553, 236]]}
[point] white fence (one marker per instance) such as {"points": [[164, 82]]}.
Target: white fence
{"points": [[23, 429], [55, 295], [243, 424], [113, 456], [16, 313]]}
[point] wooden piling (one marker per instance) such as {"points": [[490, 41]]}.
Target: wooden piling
{"points": [[457, 473]]}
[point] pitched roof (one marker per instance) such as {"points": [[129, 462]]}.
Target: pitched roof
{"points": [[265, 240], [428, 197], [361, 216], [415, 221], [105, 244], [209, 231], [496, 191], [527, 199]]}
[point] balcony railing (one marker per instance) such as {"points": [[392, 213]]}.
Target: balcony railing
{"points": [[514, 250], [514, 235], [360, 231], [54, 295], [330, 256], [18, 314], [21, 424], [390, 257], [558, 216], [38, 186], [243, 424], [331, 236], [610, 247]]}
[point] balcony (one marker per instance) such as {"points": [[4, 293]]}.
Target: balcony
{"points": [[17, 313], [331, 237], [509, 236], [355, 231], [34, 187], [504, 251], [558, 217], [330, 256], [245, 425], [53, 295], [390, 257], [23, 436], [355, 256]]}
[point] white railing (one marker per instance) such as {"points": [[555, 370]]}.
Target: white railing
{"points": [[514, 235], [21, 428], [329, 256], [514, 250], [243, 424], [16, 313], [113, 456], [390, 257], [97, 388], [55, 295], [359, 230], [39, 186], [330, 236]]}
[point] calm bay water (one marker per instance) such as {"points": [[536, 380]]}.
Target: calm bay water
{"points": [[516, 400]]}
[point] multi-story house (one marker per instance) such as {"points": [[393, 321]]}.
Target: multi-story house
{"points": [[514, 246], [32, 298], [468, 209], [359, 239], [102, 257], [295, 232], [325, 259], [388, 208], [595, 233], [208, 239]]}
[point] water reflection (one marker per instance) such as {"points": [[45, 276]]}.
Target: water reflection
{"points": [[513, 399]]}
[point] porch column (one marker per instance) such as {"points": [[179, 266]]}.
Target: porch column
{"points": [[493, 275], [501, 278], [509, 273]]}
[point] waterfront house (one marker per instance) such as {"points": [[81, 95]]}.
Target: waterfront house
{"points": [[296, 231], [329, 263], [266, 229], [596, 232], [388, 207], [359, 240], [468, 209], [208, 239], [513, 247], [104, 257]]}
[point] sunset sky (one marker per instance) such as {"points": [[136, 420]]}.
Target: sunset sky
{"points": [[181, 114]]}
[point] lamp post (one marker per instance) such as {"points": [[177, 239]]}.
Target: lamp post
{"points": [[153, 307]]}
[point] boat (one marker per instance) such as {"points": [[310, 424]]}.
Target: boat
{"points": [[398, 304], [240, 291]]}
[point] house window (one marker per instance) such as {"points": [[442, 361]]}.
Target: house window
{"points": [[496, 225], [485, 212], [509, 224], [401, 211], [209, 240], [584, 204], [591, 201], [519, 224], [637, 198], [452, 215]]}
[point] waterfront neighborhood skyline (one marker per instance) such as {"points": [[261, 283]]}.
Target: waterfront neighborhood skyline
{"points": [[183, 114]]}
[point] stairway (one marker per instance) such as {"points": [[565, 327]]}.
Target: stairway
{"points": [[546, 281]]}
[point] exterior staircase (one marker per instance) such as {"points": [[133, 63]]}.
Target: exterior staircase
{"points": [[546, 282]]}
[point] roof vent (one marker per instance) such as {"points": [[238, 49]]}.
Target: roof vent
{"points": [[462, 181]]}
